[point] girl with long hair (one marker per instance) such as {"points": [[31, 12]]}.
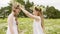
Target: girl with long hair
{"points": [[38, 24], [12, 20]]}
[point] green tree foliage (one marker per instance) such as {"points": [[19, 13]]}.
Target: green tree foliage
{"points": [[27, 5], [5, 11], [51, 12]]}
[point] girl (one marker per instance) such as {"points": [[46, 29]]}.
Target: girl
{"points": [[12, 20], [38, 19]]}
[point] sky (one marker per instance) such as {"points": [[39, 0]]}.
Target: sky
{"points": [[4, 3], [55, 3]]}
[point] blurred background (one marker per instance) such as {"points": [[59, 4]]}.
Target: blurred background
{"points": [[51, 11]]}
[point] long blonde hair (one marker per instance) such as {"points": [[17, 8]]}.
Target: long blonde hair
{"points": [[15, 6]]}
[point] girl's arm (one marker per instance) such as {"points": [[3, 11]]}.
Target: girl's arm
{"points": [[10, 23], [29, 14]]}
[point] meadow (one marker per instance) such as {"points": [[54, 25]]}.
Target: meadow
{"points": [[52, 26]]}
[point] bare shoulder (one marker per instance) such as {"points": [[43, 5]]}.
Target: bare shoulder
{"points": [[10, 16]]}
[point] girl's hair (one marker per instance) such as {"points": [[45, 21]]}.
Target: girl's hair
{"points": [[38, 9], [41, 15], [15, 7]]}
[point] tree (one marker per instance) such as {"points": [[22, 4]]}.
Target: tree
{"points": [[51, 12], [5, 11], [27, 5]]}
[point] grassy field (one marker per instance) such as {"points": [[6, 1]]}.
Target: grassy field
{"points": [[52, 26]]}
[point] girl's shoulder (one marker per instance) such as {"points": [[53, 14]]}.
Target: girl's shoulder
{"points": [[10, 16], [38, 17]]}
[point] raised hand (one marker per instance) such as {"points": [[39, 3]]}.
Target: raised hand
{"points": [[21, 6]]}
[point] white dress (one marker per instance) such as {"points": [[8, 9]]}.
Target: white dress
{"points": [[12, 18], [37, 28]]}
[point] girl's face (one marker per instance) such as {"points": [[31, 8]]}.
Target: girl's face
{"points": [[35, 12], [17, 10]]}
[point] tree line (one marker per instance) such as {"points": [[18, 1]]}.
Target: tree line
{"points": [[49, 12]]}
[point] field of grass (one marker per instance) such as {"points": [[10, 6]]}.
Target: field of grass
{"points": [[52, 26]]}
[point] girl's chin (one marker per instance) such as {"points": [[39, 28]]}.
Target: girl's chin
{"points": [[17, 14]]}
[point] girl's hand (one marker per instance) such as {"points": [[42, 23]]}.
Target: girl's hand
{"points": [[21, 6]]}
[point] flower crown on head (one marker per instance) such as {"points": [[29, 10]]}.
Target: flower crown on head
{"points": [[37, 7], [15, 5]]}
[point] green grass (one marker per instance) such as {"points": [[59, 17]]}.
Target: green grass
{"points": [[52, 26]]}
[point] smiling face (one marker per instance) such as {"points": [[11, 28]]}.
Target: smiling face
{"points": [[36, 11], [17, 10]]}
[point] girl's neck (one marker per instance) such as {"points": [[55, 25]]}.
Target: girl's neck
{"points": [[14, 14]]}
